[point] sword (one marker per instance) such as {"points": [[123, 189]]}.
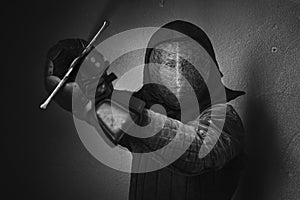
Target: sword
{"points": [[84, 53]]}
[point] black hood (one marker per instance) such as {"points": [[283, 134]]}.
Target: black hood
{"points": [[177, 29]]}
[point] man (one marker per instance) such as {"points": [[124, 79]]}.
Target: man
{"points": [[175, 69]]}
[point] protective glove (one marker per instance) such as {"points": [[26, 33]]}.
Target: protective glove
{"points": [[58, 61]]}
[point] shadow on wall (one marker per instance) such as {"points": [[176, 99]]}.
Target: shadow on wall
{"points": [[261, 175]]}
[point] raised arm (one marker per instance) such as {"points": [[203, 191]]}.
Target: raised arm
{"points": [[213, 139], [211, 146]]}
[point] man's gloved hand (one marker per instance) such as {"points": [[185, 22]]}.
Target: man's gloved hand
{"points": [[58, 61]]}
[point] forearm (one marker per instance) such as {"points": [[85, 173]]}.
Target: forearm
{"points": [[202, 143], [209, 148]]}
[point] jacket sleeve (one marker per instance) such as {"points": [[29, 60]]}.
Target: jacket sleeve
{"points": [[213, 139]]}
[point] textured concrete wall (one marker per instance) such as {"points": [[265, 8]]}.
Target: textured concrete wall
{"points": [[257, 46]]}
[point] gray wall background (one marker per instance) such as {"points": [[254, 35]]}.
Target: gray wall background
{"points": [[257, 46]]}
